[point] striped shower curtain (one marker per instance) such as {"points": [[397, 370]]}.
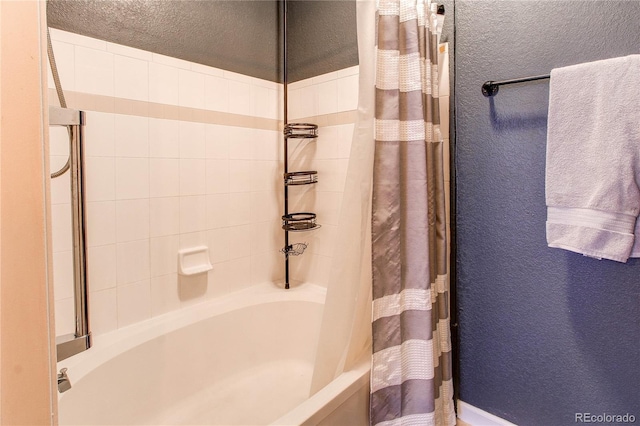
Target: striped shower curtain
{"points": [[411, 368]]}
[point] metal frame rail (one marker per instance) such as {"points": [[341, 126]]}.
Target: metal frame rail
{"points": [[79, 341]]}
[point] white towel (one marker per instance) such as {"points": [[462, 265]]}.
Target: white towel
{"points": [[593, 159]]}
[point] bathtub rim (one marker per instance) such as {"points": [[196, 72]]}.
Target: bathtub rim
{"points": [[324, 402], [111, 344]]}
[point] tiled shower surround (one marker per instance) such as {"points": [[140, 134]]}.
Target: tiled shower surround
{"points": [[180, 155]]}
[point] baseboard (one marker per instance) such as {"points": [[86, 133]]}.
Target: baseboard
{"points": [[474, 416]]}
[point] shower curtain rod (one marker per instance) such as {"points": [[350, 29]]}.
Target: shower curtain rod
{"points": [[490, 88]]}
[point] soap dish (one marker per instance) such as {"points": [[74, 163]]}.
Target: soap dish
{"points": [[193, 261]]}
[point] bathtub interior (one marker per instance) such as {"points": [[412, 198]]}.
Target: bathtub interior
{"points": [[242, 365]]}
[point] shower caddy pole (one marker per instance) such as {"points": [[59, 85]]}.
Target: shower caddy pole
{"points": [[304, 221], [286, 148]]}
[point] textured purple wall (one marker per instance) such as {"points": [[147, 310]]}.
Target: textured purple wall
{"points": [[544, 333]]}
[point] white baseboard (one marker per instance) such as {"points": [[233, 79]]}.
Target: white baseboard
{"points": [[474, 416]]}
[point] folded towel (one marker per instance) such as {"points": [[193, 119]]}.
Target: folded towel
{"points": [[593, 158]]}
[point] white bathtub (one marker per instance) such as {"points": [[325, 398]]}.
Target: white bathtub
{"points": [[243, 359]]}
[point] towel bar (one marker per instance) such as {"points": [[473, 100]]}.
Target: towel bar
{"points": [[490, 88]]}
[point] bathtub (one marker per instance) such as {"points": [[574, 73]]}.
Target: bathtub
{"points": [[242, 359]]}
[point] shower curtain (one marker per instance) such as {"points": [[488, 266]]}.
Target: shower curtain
{"points": [[345, 334], [411, 366]]}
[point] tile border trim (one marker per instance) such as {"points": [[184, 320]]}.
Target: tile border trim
{"points": [[110, 104]]}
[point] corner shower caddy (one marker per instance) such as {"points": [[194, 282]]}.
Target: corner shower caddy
{"points": [[299, 221]]}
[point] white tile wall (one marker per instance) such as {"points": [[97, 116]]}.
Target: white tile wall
{"points": [[193, 176], [164, 177], [104, 310], [164, 216], [131, 77], [100, 174], [190, 89], [217, 176], [134, 302], [100, 136], [94, 71], [193, 214], [217, 210], [164, 294], [348, 93], [132, 262], [62, 274], [216, 141], [192, 140], [239, 97], [132, 220], [240, 175], [131, 136], [132, 178], [101, 221], [100, 261], [163, 83], [155, 185], [163, 255], [61, 232], [164, 137]]}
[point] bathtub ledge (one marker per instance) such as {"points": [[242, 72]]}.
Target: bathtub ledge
{"points": [[329, 398]]}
